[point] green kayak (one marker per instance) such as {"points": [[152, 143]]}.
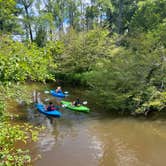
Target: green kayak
{"points": [[69, 105]]}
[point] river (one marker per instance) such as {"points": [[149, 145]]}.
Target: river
{"points": [[96, 139]]}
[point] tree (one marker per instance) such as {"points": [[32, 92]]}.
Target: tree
{"points": [[92, 13], [73, 13], [8, 16], [148, 16], [26, 6], [120, 14]]}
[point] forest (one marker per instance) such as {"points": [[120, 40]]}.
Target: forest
{"points": [[116, 48]]}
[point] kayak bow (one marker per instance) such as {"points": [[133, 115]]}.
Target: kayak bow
{"points": [[55, 94], [41, 109], [69, 105]]}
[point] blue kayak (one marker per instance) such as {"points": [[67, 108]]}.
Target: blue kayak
{"points": [[59, 94], [42, 109]]}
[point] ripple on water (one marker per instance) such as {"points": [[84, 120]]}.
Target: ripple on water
{"points": [[97, 147], [124, 155]]}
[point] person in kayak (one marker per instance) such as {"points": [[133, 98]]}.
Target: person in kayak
{"points": [[58, 89], [51, 107], [76, 102]]}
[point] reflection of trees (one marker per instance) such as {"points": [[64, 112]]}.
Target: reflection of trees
{"points": [[47, 138], [56, 129]]}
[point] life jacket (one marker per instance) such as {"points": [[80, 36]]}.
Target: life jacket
{"points": [[51, 108], [59, 91], [77, 102]]}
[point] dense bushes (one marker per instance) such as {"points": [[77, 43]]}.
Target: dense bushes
{"points": [[10, 133], [9, 136], [81, 51], [19, 62], [133, 76], [125, 72]]}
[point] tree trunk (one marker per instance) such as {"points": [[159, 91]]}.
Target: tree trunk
{"points": [[120, 19], [109, 16], [29, 25]]}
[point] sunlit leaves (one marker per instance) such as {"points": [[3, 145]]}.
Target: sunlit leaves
{"points": [[150, 13], [9, 136], [132, 75], [8, 19], [83, 49], [20, 62]]}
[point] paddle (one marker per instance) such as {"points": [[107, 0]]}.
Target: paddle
{"points": [[84, 102], [47, 92], [64, 105], [66, 93], [47, 99]]}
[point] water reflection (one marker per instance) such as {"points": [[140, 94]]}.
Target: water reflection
{"points": [[98, 148], [124, 155], [47, 139]]}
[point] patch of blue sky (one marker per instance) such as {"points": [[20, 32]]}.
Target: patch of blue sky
{"points": [[18, 5]]}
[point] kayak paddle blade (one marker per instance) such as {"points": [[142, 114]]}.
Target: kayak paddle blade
{"points": [[47, 99], [63, 105], [84, 102]]}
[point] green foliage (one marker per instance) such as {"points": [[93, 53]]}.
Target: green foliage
{"points": [[55, 49], [2, 109], [83, 49], [8, 19], [126, 70], [130, 78], [150, 13], [40, 39], [73, 13], [92, 13], [26, 9], [9, 136], [155, 102], [12, 134], [120, 14], [19, 62]]}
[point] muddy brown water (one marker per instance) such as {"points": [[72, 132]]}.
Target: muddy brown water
{"points": [[94, 139]]}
